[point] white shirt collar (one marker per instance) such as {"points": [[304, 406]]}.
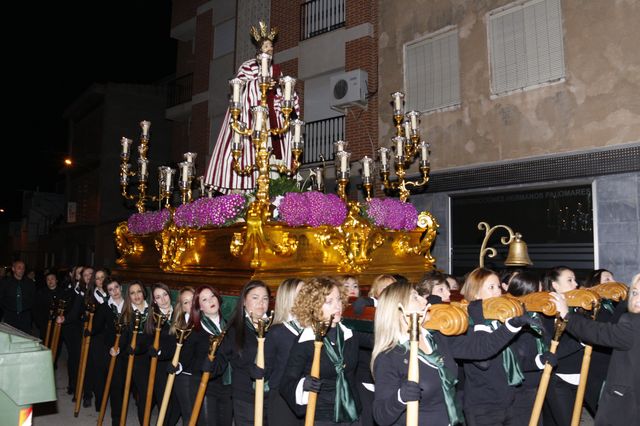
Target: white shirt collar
{"points": [[308, 334], [118, 306]]}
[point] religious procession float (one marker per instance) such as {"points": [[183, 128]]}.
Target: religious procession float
{"points": [[281, 228]]}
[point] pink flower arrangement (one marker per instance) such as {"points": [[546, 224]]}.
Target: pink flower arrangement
{"points": [[144, 223], [391, 213], [217, 211], [312, 208]]}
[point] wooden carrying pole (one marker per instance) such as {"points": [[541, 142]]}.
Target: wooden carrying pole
{"points": [[575, 298], [159, 320], [52, 317], [414, 321], [112, 366], [261, 329], [214, 343], [55, 340], [127, 381], [546, 375], [84, 355], [181, 335], [320, 329], [584, 370]]}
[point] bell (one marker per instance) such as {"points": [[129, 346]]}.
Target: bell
{"points": [[518, 254]]}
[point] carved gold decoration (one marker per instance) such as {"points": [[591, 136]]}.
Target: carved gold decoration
{"points": [[257, 243], [540, 301], [449, 320], [402, 247], [612, 291], [172, 244], [126, 243], [354, 241], [582, 298], [498, 308]]}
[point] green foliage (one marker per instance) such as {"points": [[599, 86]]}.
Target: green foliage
{"points": [[282, 185]]}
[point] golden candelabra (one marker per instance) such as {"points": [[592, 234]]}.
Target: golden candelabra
{"points": [[261, 131], [407, 145], [166, 174], [143, 168], [518, 254]]}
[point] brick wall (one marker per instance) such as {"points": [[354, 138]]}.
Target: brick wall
{"points": [[285, 14], [362, 125]]}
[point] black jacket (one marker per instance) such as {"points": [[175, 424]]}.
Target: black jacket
{"points": [[299, 366], [620, 400], [8, 288]]}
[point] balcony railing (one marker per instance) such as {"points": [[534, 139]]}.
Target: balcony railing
{"points": [[319, 138], [179, 90], [321, 16]]}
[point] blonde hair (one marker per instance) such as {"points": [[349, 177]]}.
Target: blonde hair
{"points": [[388, 327], [178, 314], [285, 296], [473, 283], [307, 307], [379, 283]]}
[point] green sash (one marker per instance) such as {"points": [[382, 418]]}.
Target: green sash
{"points": [[447, 379], [344, 409], [509, 362], [211, 325], [607, 305], [249, 324]]}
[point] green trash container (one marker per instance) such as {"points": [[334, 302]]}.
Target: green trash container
{"points": [[26, 376]]}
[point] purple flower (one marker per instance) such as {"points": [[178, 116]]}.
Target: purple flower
{"points": [[217, 211], [144, 223], [312, 208], [391, 213]]}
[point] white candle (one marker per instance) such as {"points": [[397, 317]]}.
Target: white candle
{"points": [[407, 128], [383, 156], [258, 117], [399, 146], [168, 178], [264, 68], [297, 129], [126, 143], [397, 101], [339, 146], [143, 168], [288, 86], [236, 90], [365, 167], [343, 163], [145, 128], [237, 143], [424, 150], [413, 115], [184, 171]]}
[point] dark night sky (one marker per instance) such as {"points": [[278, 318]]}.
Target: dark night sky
{"points": [[55, 51]]}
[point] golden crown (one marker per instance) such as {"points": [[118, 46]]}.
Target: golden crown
{"points": [[263, 33]]}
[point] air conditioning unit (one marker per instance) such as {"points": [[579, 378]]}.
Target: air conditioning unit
{"points": [[349, 89]]}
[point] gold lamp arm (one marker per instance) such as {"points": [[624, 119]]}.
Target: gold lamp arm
{"points": [[484, 250]]}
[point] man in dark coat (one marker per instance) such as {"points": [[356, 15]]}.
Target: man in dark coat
{"points": [[17, 295], [620, 400]]}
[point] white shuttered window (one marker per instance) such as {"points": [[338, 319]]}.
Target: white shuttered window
{"points": [[525, 45], [432, 68]]}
